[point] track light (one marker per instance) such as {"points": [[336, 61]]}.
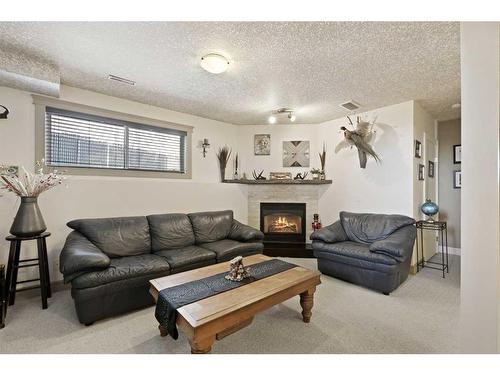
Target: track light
{"points": [[290, 114]]}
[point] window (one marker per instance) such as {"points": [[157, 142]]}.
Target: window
{"points": [[82, 140]]}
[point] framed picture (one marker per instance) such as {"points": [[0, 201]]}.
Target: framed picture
{"points": [[457, 179], [418, 149], [430, 169], [421, 171], [457, 154], [295, 153], [262, 144]]}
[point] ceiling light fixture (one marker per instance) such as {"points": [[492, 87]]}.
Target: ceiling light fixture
{"points": [[281, 111], [214, 63], [121, 80], [456, 106]]}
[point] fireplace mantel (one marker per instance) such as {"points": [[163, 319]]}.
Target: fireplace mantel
{"points": [[279, 182]]}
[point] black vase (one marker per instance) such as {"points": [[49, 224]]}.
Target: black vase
{"points": [[28, 221]]}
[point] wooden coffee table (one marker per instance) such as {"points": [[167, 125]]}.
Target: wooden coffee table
{"points": [[218, 316]]}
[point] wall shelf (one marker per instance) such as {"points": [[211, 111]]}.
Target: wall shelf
{"points": [[279, 182]]}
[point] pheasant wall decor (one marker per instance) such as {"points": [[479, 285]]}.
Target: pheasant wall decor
{"points": [[360, 137]]}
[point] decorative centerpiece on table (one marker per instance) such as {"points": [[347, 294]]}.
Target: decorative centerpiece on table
{"points": [[430, 209], [237, 271], [223, 156], [28, 186]]}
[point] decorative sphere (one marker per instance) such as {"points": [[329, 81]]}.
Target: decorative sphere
{"points": [[429, 208]]}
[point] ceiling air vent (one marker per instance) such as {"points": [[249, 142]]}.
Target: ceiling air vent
{"points": [[121, 80], [350, 105]]}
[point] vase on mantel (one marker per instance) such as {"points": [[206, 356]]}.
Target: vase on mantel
{"points": [[222, 174], [29, 220]]}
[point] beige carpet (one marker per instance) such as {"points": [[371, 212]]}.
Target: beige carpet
{"points": [[421, 316]]}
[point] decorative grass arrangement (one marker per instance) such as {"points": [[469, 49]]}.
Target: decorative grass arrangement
{"points": [[223, 155], [322, 158]]}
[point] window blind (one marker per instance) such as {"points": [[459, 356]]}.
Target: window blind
{"points": [[74, 139]]}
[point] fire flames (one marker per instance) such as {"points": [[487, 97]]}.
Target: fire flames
{"points": [[282, 224]]}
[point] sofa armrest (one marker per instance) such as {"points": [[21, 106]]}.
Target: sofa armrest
{"points": [[330, 234], [79, 255], [398, 245], [244, 233]]}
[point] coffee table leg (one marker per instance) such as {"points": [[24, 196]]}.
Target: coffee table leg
{"points": [[201, 346], [307, 302], [163, 331]]}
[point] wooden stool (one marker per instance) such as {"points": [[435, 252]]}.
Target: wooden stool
{"points": [[15, 263]]}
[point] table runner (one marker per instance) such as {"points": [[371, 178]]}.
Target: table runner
{"points": [[173, 298]]}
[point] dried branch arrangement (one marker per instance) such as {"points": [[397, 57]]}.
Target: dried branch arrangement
{"points": [[223, 155], [27, 184]]}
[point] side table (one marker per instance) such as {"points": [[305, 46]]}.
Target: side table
{"points": [[441, 228], [15, 263]]}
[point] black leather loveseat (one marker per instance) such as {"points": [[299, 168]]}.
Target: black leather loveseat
{"points": [[110, 261], [367, 249]]}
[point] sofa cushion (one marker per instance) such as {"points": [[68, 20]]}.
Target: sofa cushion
{"points": [[228, 249], [137, 266], [116, 237], [211, 226], [170, 231], [354, 250], [190, 255], [368, 228]]}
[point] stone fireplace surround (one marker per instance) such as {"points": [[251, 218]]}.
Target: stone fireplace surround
{"points": [[278, 193]]}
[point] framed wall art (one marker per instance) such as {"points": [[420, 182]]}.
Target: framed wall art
{"points": [[457, 179], [296, 154], [457, 154], [262, 144], [421, 172], [418, 149], [430, 169]]}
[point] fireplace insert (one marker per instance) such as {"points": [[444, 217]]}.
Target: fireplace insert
{"points": [[283, 222]]}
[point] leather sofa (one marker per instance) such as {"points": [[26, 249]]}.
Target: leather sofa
{"points": [[110, 261], [371, 250]]}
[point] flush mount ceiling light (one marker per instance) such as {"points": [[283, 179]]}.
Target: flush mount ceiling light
{"points": [[214, 63], [289, 112]]}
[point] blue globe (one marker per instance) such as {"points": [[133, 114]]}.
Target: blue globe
{"points": [[429, 208]]}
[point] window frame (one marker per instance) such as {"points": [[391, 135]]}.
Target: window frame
{"points": [[42, 102]]}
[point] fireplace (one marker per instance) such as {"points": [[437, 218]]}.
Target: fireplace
{"points": [[283, 222]]}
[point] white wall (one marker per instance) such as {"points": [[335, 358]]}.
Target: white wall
{"points": [[279, 133], [111, 196], [480, 254], [384, 188]]}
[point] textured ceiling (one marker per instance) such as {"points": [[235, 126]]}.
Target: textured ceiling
{"points": [[311, 67]]}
